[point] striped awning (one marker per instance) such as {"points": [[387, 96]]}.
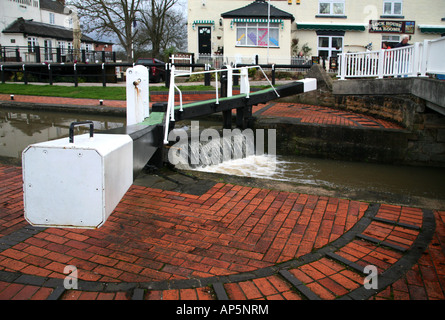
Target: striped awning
{"points": [[211, 22], [432, 29], [252, 20], [331, 27]]}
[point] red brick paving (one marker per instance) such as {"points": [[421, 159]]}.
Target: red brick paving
{"points": [[157, 235], [306, 113], [326, 116]]}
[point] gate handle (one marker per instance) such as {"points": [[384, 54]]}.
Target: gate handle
{"points": [[79, 123]]}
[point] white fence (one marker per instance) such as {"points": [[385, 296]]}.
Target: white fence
{"points": [[418, 59], [434, 61], [217, 61], [182, 59]]}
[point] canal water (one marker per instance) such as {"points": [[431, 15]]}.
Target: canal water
{"points": [[19, 128]]}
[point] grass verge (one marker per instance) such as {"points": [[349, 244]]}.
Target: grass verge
{"points": [[105, 93]]}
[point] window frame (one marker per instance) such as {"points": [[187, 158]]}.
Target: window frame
{"points": [[330, 48], [32, 44], [242, 30], [331, 7], [392, 38], [392, 3]]}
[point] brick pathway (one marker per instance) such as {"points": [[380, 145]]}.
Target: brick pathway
{"points": [[305, 113], [231, 242]]}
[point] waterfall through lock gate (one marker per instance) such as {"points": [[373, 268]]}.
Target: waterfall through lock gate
{"points": [[238, 152]]}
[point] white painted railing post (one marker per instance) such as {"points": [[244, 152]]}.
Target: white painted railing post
{"points": [[244, 81], [229, 80], [170, 114], [417, 58], [342, 66], [137, 94], [381, 63], [424, 61]]}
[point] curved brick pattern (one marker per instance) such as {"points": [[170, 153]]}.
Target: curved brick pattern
{"points": [[232, 242], [162, 235], [11, 202], [326, 116], [166, 245], [305, 113], [328, 279]]}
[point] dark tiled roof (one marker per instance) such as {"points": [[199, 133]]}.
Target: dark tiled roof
{"points": [[40, 29], [258, 9], [52, 5]]}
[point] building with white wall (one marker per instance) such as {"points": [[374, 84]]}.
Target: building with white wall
{"points": [[26, 25], [239, 28]]}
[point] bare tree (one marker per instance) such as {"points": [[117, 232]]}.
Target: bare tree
{"points": [[111, 17], [162, 26]]}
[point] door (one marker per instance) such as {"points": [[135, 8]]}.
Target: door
{"points": [[205, 40]]}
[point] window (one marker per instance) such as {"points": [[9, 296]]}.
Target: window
{"points": [[255, 35], [32, 43], [52, 19], [329, 46], [392, 7], [48, 49], [331, 7], [392, 40], [61, 45]]}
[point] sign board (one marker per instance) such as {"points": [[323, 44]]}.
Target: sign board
{"points": [[390, 26], [333, 63]]}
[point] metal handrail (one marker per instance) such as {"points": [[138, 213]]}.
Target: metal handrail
{"points": [[171, 94]]}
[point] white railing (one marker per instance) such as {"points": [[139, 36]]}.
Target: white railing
{"points": [[182, 59], [217, 60], [418, 59], [244, 89], [434, 62], [382, 63]]}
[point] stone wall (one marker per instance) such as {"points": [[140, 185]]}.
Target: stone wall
{"points": [[405, 101]]}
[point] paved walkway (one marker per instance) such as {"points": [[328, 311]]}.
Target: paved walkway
{"points": [[305, 113], [229, 242]]}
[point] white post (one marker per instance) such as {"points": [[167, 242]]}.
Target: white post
{"points": [[137, 94], [381, 63], [342, 66], [229, 80], [171, 95], [424, 58], [417, 56], [244, 81]]}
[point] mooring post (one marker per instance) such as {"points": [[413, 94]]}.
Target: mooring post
{"points": [[50, 74], [167, 75], [207, 75], [104, 75], [76, 79], [25, 76]]}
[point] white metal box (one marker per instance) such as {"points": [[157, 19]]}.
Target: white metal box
{"points": [[78, 184]]}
